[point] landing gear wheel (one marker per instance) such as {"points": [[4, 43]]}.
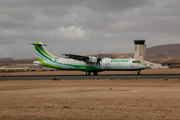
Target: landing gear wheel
{"points": [[88, 73], [95, 73], [138, 73]]}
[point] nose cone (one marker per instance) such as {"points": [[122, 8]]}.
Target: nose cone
{"points": [[143, 66]]}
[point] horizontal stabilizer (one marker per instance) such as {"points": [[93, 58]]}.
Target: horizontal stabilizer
{"points": [[39, 44]]}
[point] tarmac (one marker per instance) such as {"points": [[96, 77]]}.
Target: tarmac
{"points": [[92, 77]]}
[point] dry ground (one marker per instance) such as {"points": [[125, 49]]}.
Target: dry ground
{"points": [[146, 71], [90, 99]]}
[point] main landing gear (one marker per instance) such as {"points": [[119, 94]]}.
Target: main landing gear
{"points": [[89, 73]]}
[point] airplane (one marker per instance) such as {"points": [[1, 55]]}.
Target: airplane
{"points": [[87, 64]]}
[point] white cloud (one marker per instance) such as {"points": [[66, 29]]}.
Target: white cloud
{"points": [[86, 26], [72, 33]]}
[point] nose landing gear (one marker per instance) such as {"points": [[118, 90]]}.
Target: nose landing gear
{"points": [[138, 72]]}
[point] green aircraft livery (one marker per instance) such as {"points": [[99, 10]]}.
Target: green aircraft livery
{"points": [[85, 63]]}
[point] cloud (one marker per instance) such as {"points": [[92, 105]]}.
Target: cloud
{"points": [[86, 26]]}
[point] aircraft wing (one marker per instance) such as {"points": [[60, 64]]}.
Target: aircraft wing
{"points": [[77, 57]]}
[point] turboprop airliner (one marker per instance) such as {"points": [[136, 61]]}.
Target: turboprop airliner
{"points": [[85, 63]]}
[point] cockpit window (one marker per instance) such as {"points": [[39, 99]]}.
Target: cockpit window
{"points": [[136, 61]]}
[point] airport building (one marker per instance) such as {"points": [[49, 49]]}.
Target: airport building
{"points": [[140, 54]]}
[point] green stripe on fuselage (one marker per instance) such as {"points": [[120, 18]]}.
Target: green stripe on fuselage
{"points": [[49, 65], [45, 56], [141, 64]]}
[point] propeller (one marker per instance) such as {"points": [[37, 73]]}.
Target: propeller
{"points": [[99, 59]]}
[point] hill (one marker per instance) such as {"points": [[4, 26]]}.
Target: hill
{"points": [[19, 61], [164, 53], [161, 54], [6, 59], [116, 55]]}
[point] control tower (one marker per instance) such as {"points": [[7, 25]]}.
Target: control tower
{"points": [[140, 54], [139, 49]]}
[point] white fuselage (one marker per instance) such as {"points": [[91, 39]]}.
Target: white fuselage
{"points": [[107, 64]]}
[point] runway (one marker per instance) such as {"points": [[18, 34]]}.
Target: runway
{"points": [[92, 77]]}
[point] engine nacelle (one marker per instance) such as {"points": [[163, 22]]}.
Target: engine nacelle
{"points": [[92, 59]]}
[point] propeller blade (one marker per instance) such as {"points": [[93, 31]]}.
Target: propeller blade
{"points": [[98, 59]]}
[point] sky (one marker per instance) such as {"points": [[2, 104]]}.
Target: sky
{"points": [[86, 26]]}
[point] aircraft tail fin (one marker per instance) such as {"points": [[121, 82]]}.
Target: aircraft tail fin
{"points": [[41, 52]]}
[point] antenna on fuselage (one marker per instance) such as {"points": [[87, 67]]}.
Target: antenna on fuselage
{"points": [[113, 56]]}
